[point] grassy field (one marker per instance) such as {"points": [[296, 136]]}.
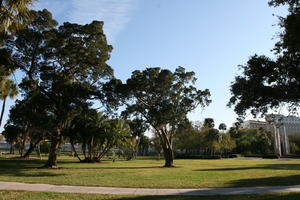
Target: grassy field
{"points": [[148, 173], [16, 195]]}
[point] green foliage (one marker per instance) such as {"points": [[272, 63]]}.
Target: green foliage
{"points": [[222, 127], [293, 4], [294, 148], [268, 83], [294, 139], [14, 15], [64, 69], [12, 133], [209, 123], [254, 141], [204, 141], [97, 134], [45, 147], [7, 89], [162, 99]]}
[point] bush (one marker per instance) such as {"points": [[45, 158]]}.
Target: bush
{"points": [[270, 156], [189, 156]]}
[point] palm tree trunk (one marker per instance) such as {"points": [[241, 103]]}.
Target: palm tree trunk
{"points": [[2, 111]]}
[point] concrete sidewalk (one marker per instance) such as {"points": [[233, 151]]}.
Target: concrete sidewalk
{"points": [[147, 191]]}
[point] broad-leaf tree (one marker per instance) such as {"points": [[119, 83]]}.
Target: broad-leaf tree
{"points": [[63, 66], [271, 82], [163, 99]]}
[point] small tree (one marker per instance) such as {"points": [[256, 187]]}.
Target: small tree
{"points": [[97, 134], [222, 127]]}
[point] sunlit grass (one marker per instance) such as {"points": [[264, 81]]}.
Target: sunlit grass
{"points": [[16, 195], [149, 173]]}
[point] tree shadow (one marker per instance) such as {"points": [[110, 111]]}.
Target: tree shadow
{"points": [[18, 168], [290, 196], [264, 167], [268, 181], [121, 168]]}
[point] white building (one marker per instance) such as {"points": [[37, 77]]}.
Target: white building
{"points": [[281, 126]]}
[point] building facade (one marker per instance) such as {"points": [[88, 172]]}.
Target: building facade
{"points": [[281, 126]]}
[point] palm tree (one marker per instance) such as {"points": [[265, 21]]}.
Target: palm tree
{"points": [[14, 14], [8, 89]]}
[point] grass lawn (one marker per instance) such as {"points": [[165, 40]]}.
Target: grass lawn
{"points": [[148, 173], [16, 195]]}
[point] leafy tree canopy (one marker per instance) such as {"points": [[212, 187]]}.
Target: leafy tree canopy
{"points": [[268, 83], [162, 99]]}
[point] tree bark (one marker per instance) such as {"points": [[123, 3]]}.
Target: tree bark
{"points": [[12, 148], [75, 152], [2, 111], [31, 148], [52, 158], [169, 157], [167, 148]]}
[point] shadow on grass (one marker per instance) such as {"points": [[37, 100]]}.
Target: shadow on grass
{"points": [[264, 167], [223, 197], [18, 168], [269, 181], [121, 168]]}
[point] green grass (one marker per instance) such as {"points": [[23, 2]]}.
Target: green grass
{"points": [[16, 195], [148, 173]]}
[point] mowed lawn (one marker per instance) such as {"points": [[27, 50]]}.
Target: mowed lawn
{"points": [[16, 195], [149, 173]]}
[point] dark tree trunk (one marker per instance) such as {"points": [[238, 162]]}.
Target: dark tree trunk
{"points": [[52, 158], [2, 111], [75, 152], [31, 148], [22, 147], [169, 157], [12, 148]]}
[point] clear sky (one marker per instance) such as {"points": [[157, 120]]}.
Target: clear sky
{"points": [[209, 37]]}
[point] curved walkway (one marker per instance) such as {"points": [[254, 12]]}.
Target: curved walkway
{"points": [[147, 191]]}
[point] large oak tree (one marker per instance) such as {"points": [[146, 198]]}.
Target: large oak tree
{"points": [[163, 99]]}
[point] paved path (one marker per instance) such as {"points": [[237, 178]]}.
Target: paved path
{"points": [[147, 191]]}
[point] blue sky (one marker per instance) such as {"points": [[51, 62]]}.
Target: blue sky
{"points": [[209, 37]]}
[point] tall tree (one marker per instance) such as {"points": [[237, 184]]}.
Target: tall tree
{"points": [[268, 83], [162, 99], [64, 67]]}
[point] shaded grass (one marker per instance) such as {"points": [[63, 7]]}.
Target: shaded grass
{"points": [[149, 173], [16, 195]]}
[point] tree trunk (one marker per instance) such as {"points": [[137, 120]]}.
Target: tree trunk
{"points": [[75, 152], [11, 148], [169, 157], [52, 158], [31, 148], [2, 111]]}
